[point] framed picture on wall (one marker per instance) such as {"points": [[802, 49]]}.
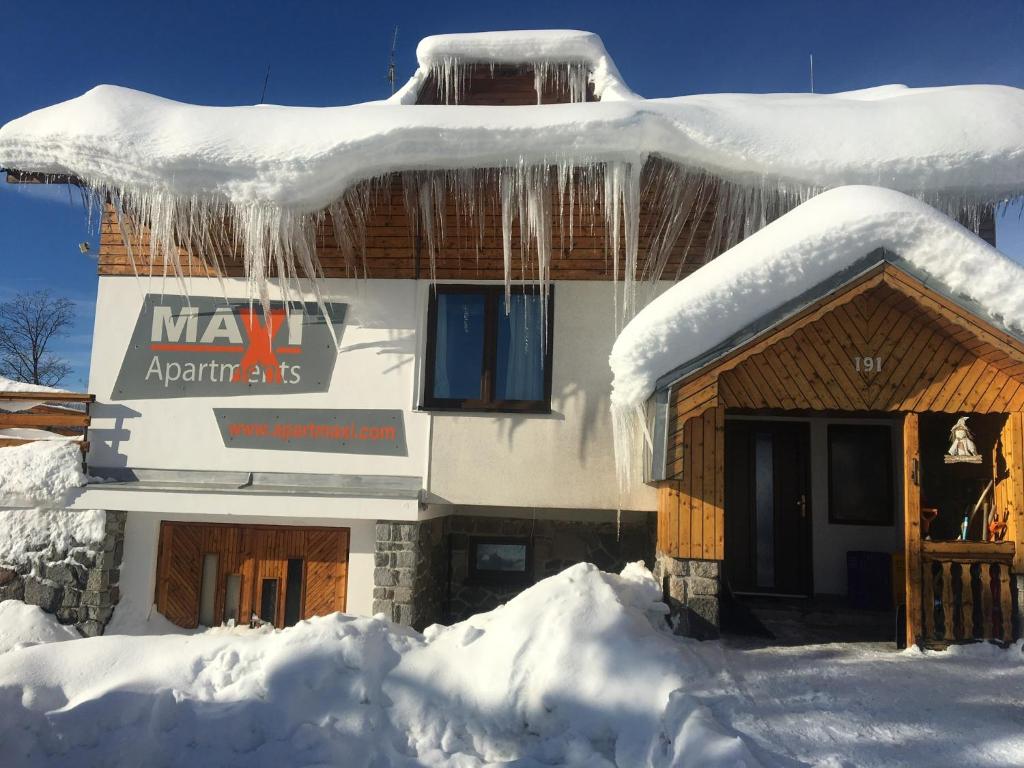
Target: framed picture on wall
{"points": [[500, 560]]}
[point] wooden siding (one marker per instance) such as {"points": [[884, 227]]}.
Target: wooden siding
{"points": [[926, 364], [691, 520], [394, 251], [505, 85], [1009, 482], [935, 357], [254, 553]]}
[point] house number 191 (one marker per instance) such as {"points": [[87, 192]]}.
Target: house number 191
{"points": [[868, 364]]}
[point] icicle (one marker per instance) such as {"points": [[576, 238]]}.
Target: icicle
{"points": [[572, 78]]}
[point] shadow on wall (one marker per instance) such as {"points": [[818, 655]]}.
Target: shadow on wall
{"points": [[105, 442]]}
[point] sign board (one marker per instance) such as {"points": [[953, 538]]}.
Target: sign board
{"points": [[376, 432], [204, 346]]}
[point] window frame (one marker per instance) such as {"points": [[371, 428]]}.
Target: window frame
{"points": [[494, 297], [889, 480], [504, 578]]}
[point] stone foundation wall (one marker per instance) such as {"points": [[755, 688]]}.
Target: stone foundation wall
{"points": [[78, 587], [692, 589], [409, 573], [422, 577], [557, 544]]}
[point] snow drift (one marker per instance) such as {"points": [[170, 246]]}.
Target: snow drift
{"points": [[780, 262], [571, 672], [23, 625]]}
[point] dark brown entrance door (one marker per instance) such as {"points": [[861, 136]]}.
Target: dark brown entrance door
{"points": [[768, 507]]}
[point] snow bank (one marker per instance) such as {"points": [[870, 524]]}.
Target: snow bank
{"points": [[41, 473], [571, 672], [23, 625], [788, 257], [28, 532]]}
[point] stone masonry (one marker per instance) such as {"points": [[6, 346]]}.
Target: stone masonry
{"points": [[692, 589], [79, 588], [409, 572]]}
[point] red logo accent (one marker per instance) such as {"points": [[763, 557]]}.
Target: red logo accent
{"points": [[260, 350]]}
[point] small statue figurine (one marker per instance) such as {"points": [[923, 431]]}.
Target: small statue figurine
{"points": [[962, 447]]}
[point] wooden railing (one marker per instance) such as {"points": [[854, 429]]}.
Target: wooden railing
{"points": [[46, 416], [967, 591]]}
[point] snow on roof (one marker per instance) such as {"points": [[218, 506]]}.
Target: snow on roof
{"points": [[444, 55], [795, 253], [272, 170], [957, 140]]}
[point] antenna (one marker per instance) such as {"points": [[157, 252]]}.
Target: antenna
{"points": [[391, 61], [266, 79], [812, 73]]}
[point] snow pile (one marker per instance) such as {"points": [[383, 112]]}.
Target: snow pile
{"points": [[23, 625], [570, 673], [41, 473], [562, 57], [268, 175], [10, 385], [780, 262], [25, 533]]}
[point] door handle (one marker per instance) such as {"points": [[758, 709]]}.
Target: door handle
{"points": [[803, 505]]}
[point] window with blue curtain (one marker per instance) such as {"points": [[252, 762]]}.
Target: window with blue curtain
{"points": [[486, 353]]}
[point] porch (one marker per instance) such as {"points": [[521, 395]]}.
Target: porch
{"points": [[745, 488]]}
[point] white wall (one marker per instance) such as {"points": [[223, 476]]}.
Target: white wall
{"points": [[564, 459], [561, 460], [141, 541], [831, 542], [376, 368]]}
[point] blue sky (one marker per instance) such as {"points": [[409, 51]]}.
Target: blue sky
{"points": [[323, 53]]}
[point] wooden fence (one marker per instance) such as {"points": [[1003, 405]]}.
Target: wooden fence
{"points": [[968, 591], [49, 413]]}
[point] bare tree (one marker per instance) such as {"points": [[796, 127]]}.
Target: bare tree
{"points": [[28, 323]]}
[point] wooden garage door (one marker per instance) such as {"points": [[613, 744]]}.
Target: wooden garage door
{"points": [[281, 573]]}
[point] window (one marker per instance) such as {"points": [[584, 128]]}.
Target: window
{"points": [[860, 474], [480, 358], [504, 560]]}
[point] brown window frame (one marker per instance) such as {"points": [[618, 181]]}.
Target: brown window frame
{"points": [[494, 303]]}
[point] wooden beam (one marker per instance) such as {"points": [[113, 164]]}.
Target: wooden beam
{"points": [[41, 420], [48, 397], [912, 526]]}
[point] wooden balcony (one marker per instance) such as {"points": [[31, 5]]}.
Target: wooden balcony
{"points": [[47, 412]]}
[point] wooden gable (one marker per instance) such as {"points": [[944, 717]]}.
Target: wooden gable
{"points": [[883, 343]]}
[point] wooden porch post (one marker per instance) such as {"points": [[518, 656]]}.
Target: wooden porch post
{"points": [[912, 525]]}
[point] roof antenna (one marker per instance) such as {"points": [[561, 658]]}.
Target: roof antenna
{"points": [[266, 79], [812, 73], [391, 61]]}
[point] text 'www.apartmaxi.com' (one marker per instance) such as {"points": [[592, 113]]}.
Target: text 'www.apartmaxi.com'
{"points": [[314, 431]]}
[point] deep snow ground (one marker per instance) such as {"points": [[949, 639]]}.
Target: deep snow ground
{"points": [[868, 705], [576, 671]]}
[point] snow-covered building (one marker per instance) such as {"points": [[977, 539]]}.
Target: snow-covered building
{"points": [[357, 357]]}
